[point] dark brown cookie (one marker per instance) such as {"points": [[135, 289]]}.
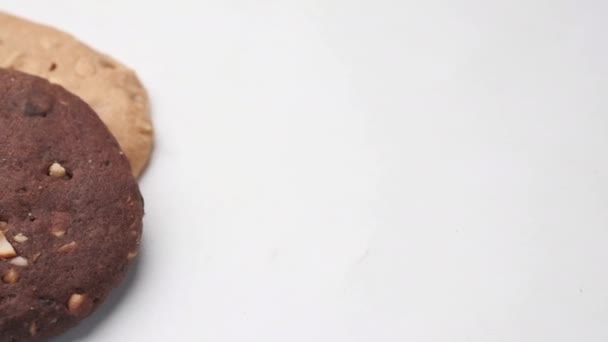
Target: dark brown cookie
{"points": [[70, 210]]}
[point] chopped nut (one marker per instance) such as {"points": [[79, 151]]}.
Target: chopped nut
{"points": [[3, 224], [6, 249], [68, 247], [20, 238], [11, 276], [75, 303], [33, 329], [36, 256], [132, 255], [56, 170], [58, 231], [19, 261], [60, 222]]}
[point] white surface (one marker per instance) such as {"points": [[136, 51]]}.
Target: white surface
{"points": [[333, 170]]}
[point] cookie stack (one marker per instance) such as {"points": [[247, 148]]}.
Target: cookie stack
{"points": [[70, 207]]}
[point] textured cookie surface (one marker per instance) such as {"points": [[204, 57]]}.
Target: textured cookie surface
{"points": [[109, 87], [70, 209]]}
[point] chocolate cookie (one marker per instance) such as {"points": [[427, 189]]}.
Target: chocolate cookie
{"points": [[113, 90], [70, 209]]}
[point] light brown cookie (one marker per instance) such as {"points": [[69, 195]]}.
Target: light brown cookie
{"points": [[112, 89]]}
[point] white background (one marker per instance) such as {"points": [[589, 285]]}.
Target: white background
{"points": [[351, 170]]}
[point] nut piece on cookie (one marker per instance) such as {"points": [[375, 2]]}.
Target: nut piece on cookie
{"points": [[57, 231], [19, 261], [56, 170], [68, 247], [132, 255], [6, 249], [36, 256], [33, 329], [20, 238], [76, 304], [11, 276]]}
